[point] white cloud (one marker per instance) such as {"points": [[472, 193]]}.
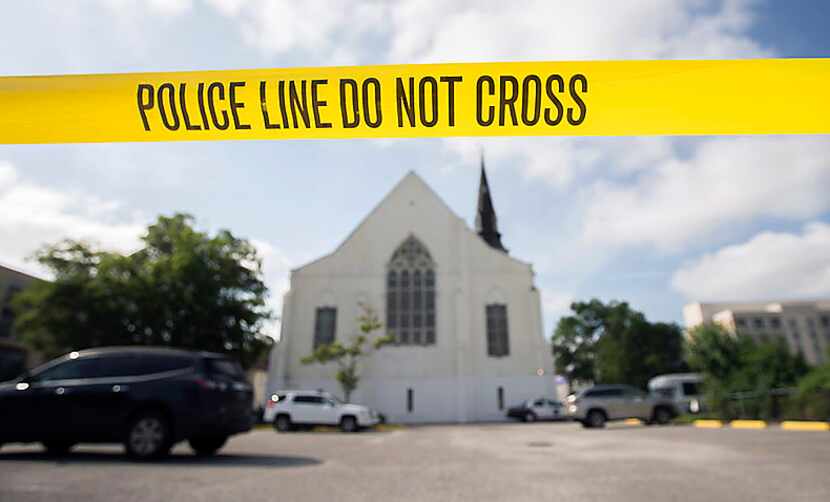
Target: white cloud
{"points": [[561, 161], [643, 29], [545, 30], [32, 215], [416, 31], [171, 7], [770, 265], [555, 304], [726, 181], [161, 7], [330, 32]]}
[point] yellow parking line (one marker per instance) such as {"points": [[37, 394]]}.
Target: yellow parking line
{"points": [[748, 424], [797, 425], [708, 424]]}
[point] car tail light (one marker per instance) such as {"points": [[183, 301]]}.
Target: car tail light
{"points": [[272, 401], [205, 383]]}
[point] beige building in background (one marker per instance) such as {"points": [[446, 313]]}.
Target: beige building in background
{"points": [[13, 356], [804, 325]]}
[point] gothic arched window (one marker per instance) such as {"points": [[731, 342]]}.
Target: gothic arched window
{"points": [[410, 294]]}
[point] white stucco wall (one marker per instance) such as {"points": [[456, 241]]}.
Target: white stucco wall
{"points": [[453, 380]]}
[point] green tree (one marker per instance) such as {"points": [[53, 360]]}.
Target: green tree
{"points": [[614, 343], [183, 288], [812, 400], [348, 357], [741, 375]]}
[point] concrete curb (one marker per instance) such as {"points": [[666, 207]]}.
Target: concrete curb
{"points": [[789, 425]]}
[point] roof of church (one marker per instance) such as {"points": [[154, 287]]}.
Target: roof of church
{"points": [[412, 177]]}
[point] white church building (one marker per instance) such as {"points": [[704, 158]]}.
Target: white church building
{"points": [[464, 314]]}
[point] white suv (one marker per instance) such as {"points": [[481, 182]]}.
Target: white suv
{"points": [[287, 409]]}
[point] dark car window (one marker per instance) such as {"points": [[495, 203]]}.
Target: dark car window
{"points": [[690, 388], [308, 399], [604, 393], [116, 366], [633, 392], [70, 370], [112, 367], [667, 392], [159, 364], [224, 367], [539, 402]]}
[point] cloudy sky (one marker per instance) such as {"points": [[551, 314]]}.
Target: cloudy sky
{"points": [[655, 221]]}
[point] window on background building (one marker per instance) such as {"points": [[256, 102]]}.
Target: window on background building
{"points": [[740, 322], [758, 322], [410, 294], [325, 326], [799, 342], [498, 342], [501, 398], [825, 321], [775, 322], [816, 347]]}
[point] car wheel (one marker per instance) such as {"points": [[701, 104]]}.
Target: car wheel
{"points": [[148, 436], [283, 423], [530, 417], [58, 448], [205, 446], [348, 424], [662, 416], [596, 419]]}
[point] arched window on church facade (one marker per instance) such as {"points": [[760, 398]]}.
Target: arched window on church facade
{"points": [[410, 294]]}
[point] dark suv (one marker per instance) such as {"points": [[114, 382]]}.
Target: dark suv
{"points": [[147, 398]]}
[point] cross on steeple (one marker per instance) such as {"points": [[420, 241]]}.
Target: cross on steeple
{"points": [[486, 223]]}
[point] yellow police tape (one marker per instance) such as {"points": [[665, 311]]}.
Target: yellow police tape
{"points": [[599, 98]]}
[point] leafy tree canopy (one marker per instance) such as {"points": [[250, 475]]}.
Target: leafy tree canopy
{"points": [[739, 374], [183, 288], [613, 343]]}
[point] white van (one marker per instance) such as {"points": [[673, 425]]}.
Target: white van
{"points": [[683, 389]]}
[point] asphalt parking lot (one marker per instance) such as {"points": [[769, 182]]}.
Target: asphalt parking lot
{"points": [[542, 461]]}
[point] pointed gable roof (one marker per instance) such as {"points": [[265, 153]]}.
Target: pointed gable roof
{"points": [[408, 186]]}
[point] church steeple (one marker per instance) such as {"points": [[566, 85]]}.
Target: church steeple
{"points": [[486, 224]]}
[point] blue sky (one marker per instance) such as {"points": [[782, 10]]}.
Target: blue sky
{"points": [[655, 221]]}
